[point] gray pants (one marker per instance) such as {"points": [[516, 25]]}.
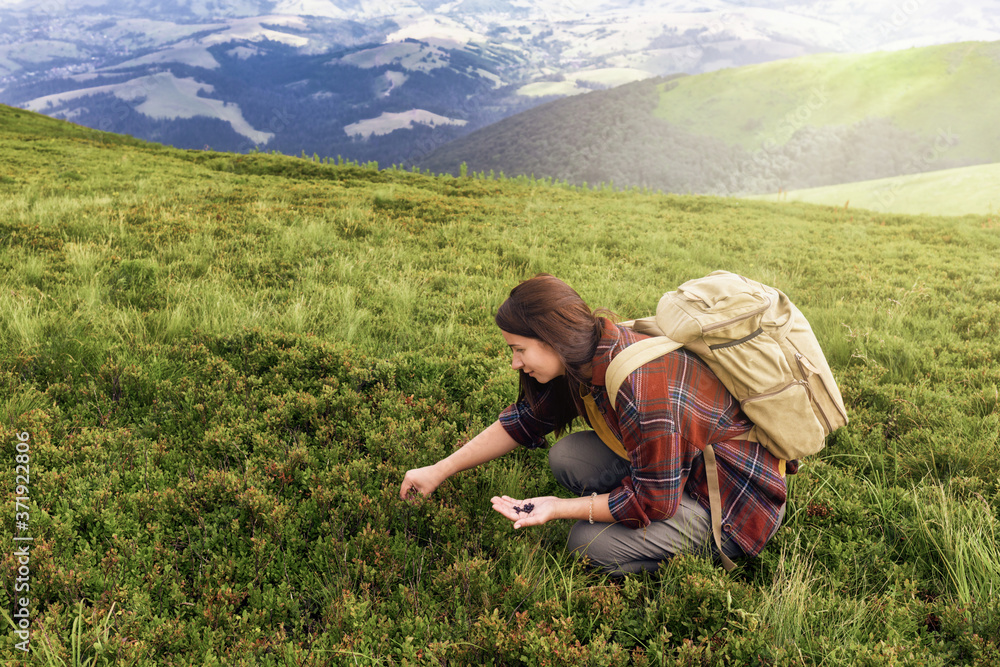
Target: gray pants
{"points": [[583, 464]]}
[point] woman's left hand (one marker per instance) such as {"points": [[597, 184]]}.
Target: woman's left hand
{"points": [[527, 512]]}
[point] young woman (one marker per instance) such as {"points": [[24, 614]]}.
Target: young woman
{"points": [[640, 473]]}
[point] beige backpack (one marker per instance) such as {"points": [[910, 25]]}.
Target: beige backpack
{"points": [[761, 348]]}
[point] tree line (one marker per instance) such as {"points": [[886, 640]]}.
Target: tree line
{"points": [[613, 137]]}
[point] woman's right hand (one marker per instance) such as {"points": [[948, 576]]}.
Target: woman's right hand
{"points": [[493, 442], [422, 480]]}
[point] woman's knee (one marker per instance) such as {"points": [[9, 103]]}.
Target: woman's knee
{"points": [[570, 463], [559, 455], [582, 463]]}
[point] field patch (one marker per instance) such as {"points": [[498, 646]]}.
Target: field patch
{"points": [[161, 95], [389, 122]]}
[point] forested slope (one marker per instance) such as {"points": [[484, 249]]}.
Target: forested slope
{"points": [[805, 122]]}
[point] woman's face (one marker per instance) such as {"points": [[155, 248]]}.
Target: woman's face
{"points": [[535, 357]]}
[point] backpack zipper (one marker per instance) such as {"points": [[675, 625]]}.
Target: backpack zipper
{"points": [[734, 320]]}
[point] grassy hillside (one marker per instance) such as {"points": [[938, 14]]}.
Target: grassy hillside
{"points": [[217, 369], [19, 125], [804, 122], [962, 191]]}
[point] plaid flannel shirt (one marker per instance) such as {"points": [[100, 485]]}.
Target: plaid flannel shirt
{"points": [[667, 411]]}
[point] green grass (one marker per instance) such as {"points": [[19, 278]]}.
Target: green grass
{"points": [[226, 364], [920, 90], [962, 191]]}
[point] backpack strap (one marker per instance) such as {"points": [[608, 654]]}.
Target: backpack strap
{"points": [[633, 356], [715, 501]]}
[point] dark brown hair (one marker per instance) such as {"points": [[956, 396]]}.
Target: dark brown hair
{"points": [[547, 309]]}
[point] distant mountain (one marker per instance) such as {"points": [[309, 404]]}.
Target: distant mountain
{"points": [[273, 82], [799, 123], [393, 80]]}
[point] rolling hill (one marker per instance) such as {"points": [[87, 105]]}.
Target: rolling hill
{"points": [[961, 191], [805, 122]]}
